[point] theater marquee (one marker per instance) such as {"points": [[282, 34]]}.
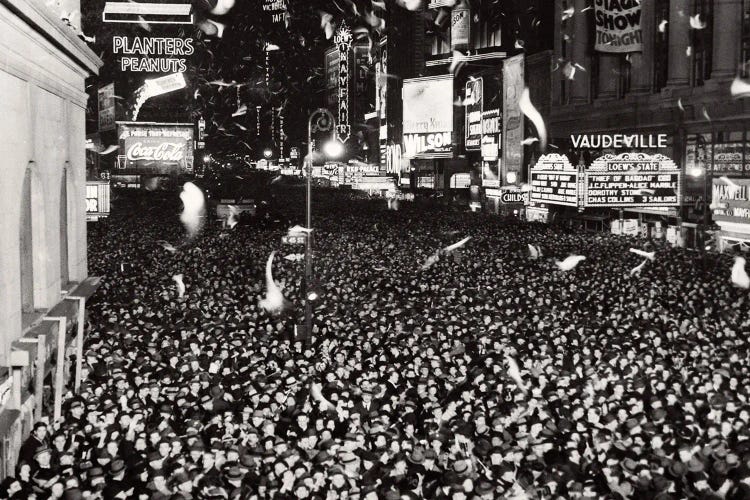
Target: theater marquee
{"points": [[633, 180], [554, 181]]}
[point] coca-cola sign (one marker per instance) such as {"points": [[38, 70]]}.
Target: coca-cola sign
{"points": [[156, 148], [166, 151]]}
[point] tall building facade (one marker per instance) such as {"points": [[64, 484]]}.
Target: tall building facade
{"points": [[678, 84], [42, 198]]}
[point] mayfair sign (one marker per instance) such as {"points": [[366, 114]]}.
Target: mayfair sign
{"points": [[619, 141]]}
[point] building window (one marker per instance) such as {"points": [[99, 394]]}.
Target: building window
{"points": [[661, 44], [625, 75], [64, 272], [27, 250], [702, 42], [745, 47]]}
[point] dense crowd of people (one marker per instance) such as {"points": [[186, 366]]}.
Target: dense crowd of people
{"points": [[488, 375]]}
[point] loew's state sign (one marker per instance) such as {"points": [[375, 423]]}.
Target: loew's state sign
{"points": [[633, 180]]}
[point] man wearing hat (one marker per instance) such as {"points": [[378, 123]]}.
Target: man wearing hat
{"points": [[37, 439]]}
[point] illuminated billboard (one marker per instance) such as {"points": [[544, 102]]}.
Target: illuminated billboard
{"points": [[155, 148], [633, 180], [554, 181], [428, 117], [730, 200], [97, 200]]}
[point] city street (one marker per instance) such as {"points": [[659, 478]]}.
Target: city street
{"points": [[375, 249]]}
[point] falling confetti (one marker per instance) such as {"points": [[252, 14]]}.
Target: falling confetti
{"points": [[294, 257], [110, 149], [274, 302], [570, 262], [529, 141], [194, 208], [696, 23], [167, 246], [222, 7], [177, 278], [679, 105], [705, 114], [533, 251], [532, 114], [457, 62], [647, 255], [456, 246], [298, 230], [739, 275], [234, 214], [663, 26], [740, 88], [569, 71], [568, 13], [514, 373], [689, 51], [637, 269], [410, 4]]}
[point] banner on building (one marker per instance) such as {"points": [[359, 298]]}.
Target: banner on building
{"points": [[618, 26], [473, 100], [381, 97], [106, 99], [513, 85], [428, 117]]}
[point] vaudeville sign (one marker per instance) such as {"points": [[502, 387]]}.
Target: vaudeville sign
{"points": [[343, 41], [633, 180]]}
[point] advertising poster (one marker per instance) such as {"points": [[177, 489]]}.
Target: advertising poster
{"points": [[365, 92], [513, 85], [618, 26], [473, 99], [381, 97], [106, 99], [428, 117], [460, 27], [554, 181], [731, 202], [728, 159], [332, 78], [156, 149], [633, 180]]}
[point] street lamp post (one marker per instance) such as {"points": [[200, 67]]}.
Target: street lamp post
{"points": [[317, 125]]}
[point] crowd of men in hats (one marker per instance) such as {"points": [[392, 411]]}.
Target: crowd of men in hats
{"points": [[488, 375]]}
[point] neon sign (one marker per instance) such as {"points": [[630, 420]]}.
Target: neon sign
{"points": [[343, 41]]}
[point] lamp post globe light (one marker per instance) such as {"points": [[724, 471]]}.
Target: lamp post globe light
{"points": [[320, 120], [267, 153]]}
